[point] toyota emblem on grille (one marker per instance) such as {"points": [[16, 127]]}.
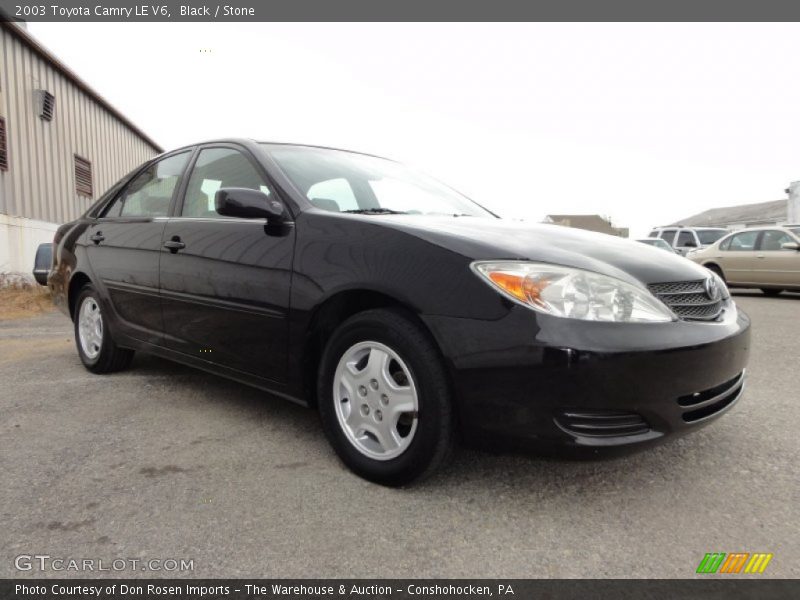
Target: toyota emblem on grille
{"points": [[712, 289]]}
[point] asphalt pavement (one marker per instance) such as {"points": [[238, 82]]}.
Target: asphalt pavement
{"points": [[164, 462]]}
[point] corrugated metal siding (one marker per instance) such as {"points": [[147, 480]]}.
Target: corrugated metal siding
{"points": [[40, 180]]}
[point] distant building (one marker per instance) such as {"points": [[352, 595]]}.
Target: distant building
{"points": [[61, 146], [587, 222], [773, 212]]}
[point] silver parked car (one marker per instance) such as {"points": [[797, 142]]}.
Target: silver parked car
{"points": [[688, 239], [767, 258]]}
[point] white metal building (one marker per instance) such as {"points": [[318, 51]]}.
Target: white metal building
{"points": [[61, 146], [774, 212]]}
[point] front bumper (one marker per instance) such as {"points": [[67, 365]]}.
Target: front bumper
{"points": [[550, 383]]}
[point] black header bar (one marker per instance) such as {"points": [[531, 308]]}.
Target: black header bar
{"points": [[402, 10]]}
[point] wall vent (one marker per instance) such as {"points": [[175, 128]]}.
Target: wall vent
{"points": [[3, 146], [83, 176], [47, 105]]}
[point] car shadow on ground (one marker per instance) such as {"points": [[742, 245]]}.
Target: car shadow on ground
{"points": [[748, 293], [514, 471]]}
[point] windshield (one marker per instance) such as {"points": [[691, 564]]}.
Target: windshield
{"points": [[795, 230], [709, 236], [656, 242], [341, 181]]}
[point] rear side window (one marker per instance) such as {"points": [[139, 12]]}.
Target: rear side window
{"points": [[743, 242], [217, 168], [653, 234], [150, 192]]}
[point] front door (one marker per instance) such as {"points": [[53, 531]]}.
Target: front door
{"points": [[225, 282], [777, 265], [738, 260], [123, 247]]}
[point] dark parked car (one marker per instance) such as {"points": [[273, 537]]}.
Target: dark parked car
{"points": [[404, 312], [42, 262]]}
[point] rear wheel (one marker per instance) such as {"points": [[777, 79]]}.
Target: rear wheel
{"points": [[771, 291], [384, 398], [96, 347]]}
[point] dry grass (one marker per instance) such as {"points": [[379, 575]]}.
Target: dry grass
{"points": [[20, 298]]}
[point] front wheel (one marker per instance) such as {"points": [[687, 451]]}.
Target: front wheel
{"points": [[384, 398], [96, 347], [717, 270]]}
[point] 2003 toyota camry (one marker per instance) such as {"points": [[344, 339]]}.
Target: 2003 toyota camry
{"points": [[404, 312]]}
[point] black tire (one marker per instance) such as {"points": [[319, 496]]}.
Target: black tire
{"points": [[433, 440], [110, 357], [717, 270], [771, 292]]}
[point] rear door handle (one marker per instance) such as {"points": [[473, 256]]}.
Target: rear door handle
{"points": [[174, 244], [97, 237], [760, 256]]}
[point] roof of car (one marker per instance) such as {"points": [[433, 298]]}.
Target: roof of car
{"points": [[763, 228], [246, 141], [683, 227]]}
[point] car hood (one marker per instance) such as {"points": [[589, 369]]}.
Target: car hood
{"points": [[494, 239]]}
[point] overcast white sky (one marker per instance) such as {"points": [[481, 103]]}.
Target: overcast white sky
{"points": [[644, 123]]}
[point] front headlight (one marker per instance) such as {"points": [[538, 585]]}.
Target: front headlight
{"points": [[724, 292], [573, 293]]}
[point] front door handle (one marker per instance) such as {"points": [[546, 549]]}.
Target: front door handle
{"points": [[174, 244], [97, 237], [760, 256]]}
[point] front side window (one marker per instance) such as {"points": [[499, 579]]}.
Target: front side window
{"points": [[340, 181], [774, 239], [334, 195], [668, 235], [217, 168], [150, 192], [743, 242]]}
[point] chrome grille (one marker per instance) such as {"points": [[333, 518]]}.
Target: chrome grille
{"points": [[688, 299]]}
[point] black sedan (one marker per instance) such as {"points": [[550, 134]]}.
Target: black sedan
{"points": [[405, 313]]}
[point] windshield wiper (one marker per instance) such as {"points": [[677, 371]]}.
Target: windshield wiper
{"points": [[447, 214], [375, 211]]}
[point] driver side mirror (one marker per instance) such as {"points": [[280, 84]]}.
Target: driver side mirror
{"points": [[249, 204], [790, 246]]}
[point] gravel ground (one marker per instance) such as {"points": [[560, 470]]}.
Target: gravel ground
{"points": [[165, 462]]}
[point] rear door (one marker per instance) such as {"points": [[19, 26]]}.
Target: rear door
{"points": [[123, 246], [738, 261], [225, 292], [776, 265]]}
